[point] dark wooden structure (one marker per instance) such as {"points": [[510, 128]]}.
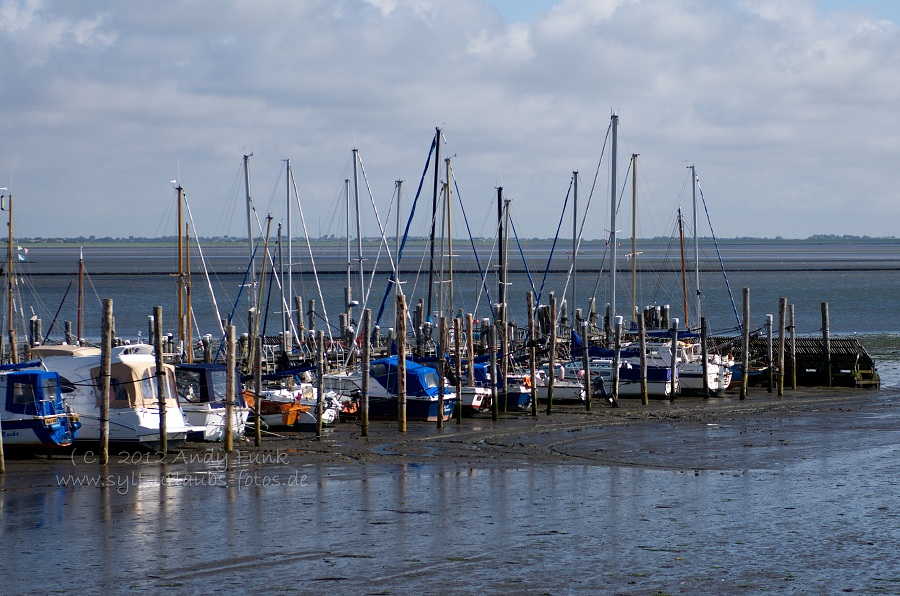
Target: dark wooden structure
{"points": [[851, 365]]}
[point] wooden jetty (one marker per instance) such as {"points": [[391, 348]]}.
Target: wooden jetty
{"points": [[849, 363]]}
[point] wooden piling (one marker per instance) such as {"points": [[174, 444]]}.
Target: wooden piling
{"points": [[320, 380], [470, 349], [617, 347], [419, 322], [782, 315], [457, 329], [105, 365], [256, 354], [442, 366], [504, 350], [826, 342], [311, 313], [793, 351], [2, 455], [745, 346], [642, 344], [769, 358], [14, 347], [67, 326], [298, 305], [532, 353], [704, 351], [401, 363], [674, 362], [366, 359], [230, 385], [552, 374], [586, 365], [160, 382], [492, 347]]}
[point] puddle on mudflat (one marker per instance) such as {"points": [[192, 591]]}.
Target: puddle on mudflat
{"points": [[735, 509]]}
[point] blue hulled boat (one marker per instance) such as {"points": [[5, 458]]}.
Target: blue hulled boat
{"points": [[33, 411], [423, 391]]}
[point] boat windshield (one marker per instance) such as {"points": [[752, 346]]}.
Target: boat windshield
{"points": [[430, 379], [219, 384], [50, 386]]}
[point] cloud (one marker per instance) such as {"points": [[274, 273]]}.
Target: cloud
{"points": [[787, 110]]}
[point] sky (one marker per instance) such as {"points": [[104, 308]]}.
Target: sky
{"points": [[788, 110]]}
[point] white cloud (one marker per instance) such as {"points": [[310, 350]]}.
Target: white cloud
{"points": [[782, 106]]}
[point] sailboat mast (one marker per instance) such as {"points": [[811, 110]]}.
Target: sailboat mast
{"points": [[252, 293], [574, 233], [449, 239], [434, 206], [696, 240], [80, 294], [612, 224], [397, 257], [290, 254], [13, 357], [500, 245], [683, 271], [180, 284], [634, 310], [348, 290], [188, 337], [359, 255]]}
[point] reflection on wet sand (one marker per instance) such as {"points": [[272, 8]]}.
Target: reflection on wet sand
{"points": [[759, 500]]}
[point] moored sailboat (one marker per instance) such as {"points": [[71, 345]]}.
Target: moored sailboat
{"points": [[32, 409], [133, 399]]}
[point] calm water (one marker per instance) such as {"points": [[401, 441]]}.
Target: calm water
{"points": [[800, 505], [860, 283], [797, 505]]}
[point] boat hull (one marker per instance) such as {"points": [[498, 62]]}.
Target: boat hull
{"points": [[417, 409], [209, 420], [57, 431]]}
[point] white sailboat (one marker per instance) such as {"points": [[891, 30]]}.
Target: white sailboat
{"points": [[133, 398]]}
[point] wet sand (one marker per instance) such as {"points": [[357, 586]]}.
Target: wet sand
{"points": [[630, 435], [766, 495]]}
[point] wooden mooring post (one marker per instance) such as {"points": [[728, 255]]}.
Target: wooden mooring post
{"points": [[230, 385], [160, 381], [826, 343], [552, 374], [442, 367], [457, 330], [105, 365], [674, 361], [495, 398], [470, 349], [703, 350], [366, 359], [532, 353], [256, 355], [320, 379], [401, 363], [793, 351], [769, 362], [642, 343], [617, 347], [745, 346], [782, 316], [586, 365]]}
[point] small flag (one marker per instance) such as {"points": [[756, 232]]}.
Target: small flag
{"points": [[21, 257]]}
